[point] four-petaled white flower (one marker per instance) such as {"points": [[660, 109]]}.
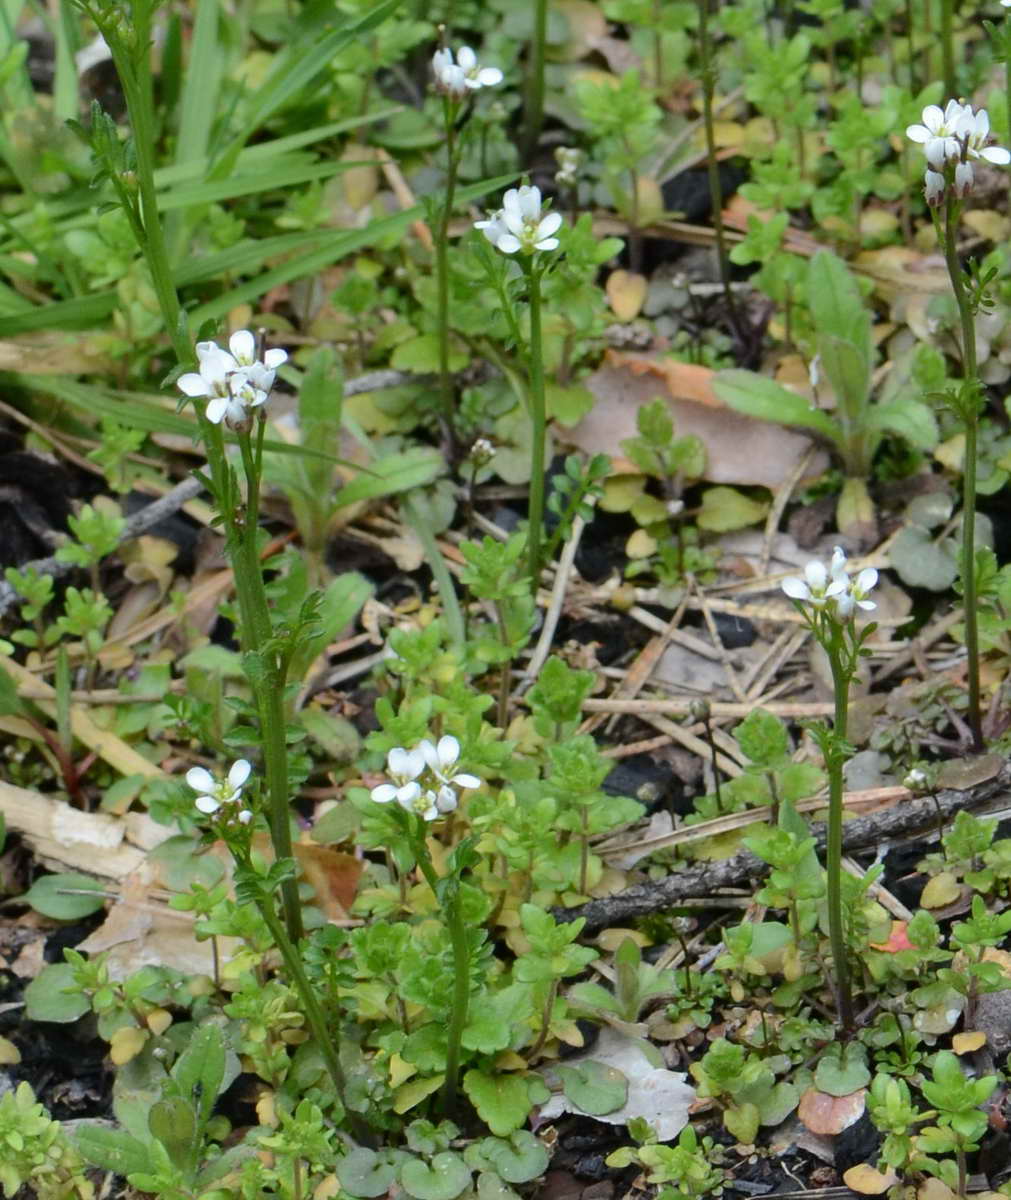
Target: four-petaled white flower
{"points": [[519, 225], [939, 134], [464, 75], [429, 765], [403, 767], [830, 588], [234, 381], [214, 793], [950, 138], [976, 130]]}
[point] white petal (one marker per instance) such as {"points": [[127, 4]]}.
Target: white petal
{"points": [[550, 225], [217, 409], [530, 203], [407, 794], [201, 780], [244, 817], [816, 575], [512, 220], [796, 588], [398, 763], [243, 347], [547, 244], [489, 76], [918, 133], [937, 152], [508, 244], [207, 804], [239, 773], [466, 781], [996, 154], [867, 578], [466, 58], [838, 587], [933, 117], [868, 605], [429, 753], [273, 358], [448, 751], [446, 801], [384, 793], [193, 385], [844, 605]]}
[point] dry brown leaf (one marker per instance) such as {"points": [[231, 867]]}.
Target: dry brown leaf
{"points": [[739, 449], [934, 1189], [966, 1043], [333, 875], [868, 1180], [585, 28], [825, 1114], [900, 271], [626, 293]]}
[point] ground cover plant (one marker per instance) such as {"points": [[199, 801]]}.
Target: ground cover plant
{"points": [[505, 618]]}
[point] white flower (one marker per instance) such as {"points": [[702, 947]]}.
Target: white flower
{"points": [[964, 178], [403, 767], [235, 407], [831, 588], [233, 381], [464, 75], [815, 588], [433, 762], [939, 134], [569, 160], [213, 793], [975, 128], [518, 225]]}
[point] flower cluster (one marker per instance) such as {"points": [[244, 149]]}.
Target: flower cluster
{"points": [[465, 75], [234, 381], [569, 160], [951, 137], [519, 225], [830, 590], [423, 778], [215, 794]]}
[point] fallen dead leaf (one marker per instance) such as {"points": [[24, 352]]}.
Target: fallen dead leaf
{"points": [[966, 1043], [626, 292], [898, 939], [825, 1114], [868, 1180], [660, 1096], [934, 1189], [739, 449]]}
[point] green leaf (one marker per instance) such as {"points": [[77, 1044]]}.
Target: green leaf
{"points": [[502, 1101], [741, 1122], [369, 1173], [393, 473], [568, 405], [47, 895], [200, 1069], [842, 1073], [420, 356], [725, 508], [922, 562], [517, 1159], [763, 738], [112, 1149], [836, 305], [594, 1088], [11, 704], [444, 1178], [766, 400], [47, 997], [909, 418], [848, 370], [173, 1123]]}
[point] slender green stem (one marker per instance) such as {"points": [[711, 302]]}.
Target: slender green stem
{"points": [[537, 420], [970, 417], [313, 1011], [461, 971], [535, 82], [948, 48], [549, 1008], [442, 260], [833, 850], [712, 167]]}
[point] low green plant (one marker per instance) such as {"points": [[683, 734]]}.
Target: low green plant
{"points": [[35, 1153], [684, 1170]]}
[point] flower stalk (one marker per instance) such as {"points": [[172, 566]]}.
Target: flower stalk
{"points": [[827, 598]]}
